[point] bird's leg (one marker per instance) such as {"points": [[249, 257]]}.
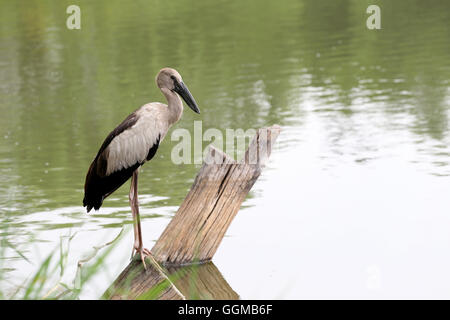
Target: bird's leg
{"points": [[134, 204]]}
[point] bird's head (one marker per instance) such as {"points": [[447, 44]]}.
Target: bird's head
{"points": [[170, 79]]}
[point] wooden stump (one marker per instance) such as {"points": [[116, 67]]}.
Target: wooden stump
{"points": [[199, 225], [137, 283]]}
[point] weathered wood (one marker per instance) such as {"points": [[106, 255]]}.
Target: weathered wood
{"points": [[193, 282], [197, 229], [195, 232], [137, 283]]}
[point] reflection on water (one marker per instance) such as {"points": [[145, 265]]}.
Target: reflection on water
{"points": [[351, 101], [192, 282]]}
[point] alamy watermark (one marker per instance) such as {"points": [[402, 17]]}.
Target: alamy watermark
{"points": [[373, 22], [74, 20], [236, 143]]}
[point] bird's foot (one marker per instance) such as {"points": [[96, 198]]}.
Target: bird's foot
{"points": [[143, 252]]}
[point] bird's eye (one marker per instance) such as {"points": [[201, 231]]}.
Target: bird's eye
{"points": [[173, 78]]}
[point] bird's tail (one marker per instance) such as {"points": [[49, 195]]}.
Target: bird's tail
{"points": [[85, 204], [97, 188], [92, 202]]}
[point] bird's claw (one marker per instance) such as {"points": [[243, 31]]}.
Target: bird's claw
{"points": [[143, 252]]}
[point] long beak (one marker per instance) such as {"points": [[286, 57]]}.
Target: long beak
{"points": [[184, 92]]}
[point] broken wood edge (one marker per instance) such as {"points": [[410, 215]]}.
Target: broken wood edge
{"points": [[260, 148]]}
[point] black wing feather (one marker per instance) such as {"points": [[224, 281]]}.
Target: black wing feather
{"points": [[98, 185]]}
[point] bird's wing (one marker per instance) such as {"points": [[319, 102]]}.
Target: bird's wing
{"points": [[134, 144]]}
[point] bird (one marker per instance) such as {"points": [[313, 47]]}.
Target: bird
{"points": [[132, 143]]}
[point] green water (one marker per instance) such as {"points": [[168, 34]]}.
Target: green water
{"points": [[364, 155]]}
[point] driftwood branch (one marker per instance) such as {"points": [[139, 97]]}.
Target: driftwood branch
{"points": [[198, 227]]}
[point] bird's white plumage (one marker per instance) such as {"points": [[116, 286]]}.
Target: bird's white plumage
{"points": [[133, 144]]}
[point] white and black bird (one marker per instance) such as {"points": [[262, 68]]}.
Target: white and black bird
{"points": [[131, 144]]}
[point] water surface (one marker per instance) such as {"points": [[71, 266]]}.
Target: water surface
{"points": [[354, 202]]}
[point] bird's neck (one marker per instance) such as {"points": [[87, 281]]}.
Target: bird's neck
{"points": [[175, 105]]}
